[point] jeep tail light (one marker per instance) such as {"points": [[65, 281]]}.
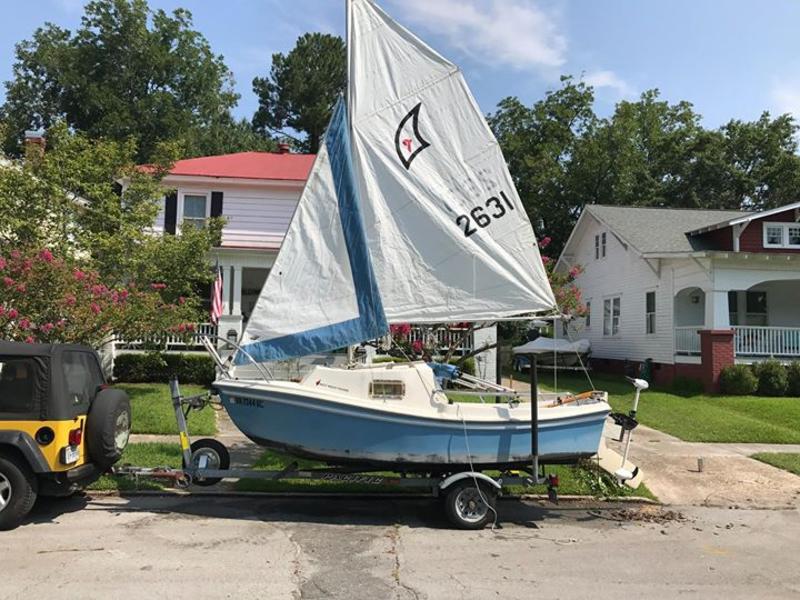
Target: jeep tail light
{"points": [[76, 436]]}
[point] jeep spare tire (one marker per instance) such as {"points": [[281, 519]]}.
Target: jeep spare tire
{"points": [[108, 427]]}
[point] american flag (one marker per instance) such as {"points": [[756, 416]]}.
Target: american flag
{"points": [[216, 296]]}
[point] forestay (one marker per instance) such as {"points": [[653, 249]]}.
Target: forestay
{"points": [[321, 292], [449, 237]]}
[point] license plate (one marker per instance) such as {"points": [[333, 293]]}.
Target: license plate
{"points": [[71, 455]]}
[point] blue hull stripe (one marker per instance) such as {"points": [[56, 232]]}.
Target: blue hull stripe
{"points": [[371, 322]]}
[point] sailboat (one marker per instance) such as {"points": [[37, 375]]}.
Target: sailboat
{"points": [[409, 215]]}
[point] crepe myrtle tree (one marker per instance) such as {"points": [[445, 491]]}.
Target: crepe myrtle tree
{"points": [[45, 298]]}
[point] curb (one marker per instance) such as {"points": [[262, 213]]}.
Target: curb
{"points": [[352, 495]]}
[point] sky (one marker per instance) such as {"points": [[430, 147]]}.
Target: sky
{"points": [[732, 59]]}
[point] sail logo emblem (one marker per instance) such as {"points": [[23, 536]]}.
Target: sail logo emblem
{"points": [[408, 140]]}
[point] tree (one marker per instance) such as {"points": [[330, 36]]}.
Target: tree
{"points": [[302, 88], [127, 72], [67, 200]]}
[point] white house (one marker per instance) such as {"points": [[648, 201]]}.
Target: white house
{"points": [[693, 290], [256, 192]]}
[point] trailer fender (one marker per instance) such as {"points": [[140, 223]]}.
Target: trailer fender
{"points": [[447, 482]]}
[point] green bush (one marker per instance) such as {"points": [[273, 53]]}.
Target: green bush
{"points": [[738, 380], [793, 374], [772, 378], [157, 367], [686, 386]]}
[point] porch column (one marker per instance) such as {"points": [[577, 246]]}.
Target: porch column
{"points": [[236, 309], [226, 290], [717, 316], [716, 350]]}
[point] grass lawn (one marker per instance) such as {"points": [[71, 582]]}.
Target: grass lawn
{"points": [[148, 454], [782, 460], [572, 480], [151, 408], [698, 418]]}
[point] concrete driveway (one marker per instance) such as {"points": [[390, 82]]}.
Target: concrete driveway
{"points": [[257, 547]]}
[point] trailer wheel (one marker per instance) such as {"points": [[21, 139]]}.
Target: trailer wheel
{"points": [[470, 507], [216, 457], [17, 491]]}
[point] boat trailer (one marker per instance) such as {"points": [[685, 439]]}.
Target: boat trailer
{"points": [[469, 497]]}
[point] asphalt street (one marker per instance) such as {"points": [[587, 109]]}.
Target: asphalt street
{"points": [[260, 547]]}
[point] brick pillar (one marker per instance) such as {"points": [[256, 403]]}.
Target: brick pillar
{"points": [[716, 351]]}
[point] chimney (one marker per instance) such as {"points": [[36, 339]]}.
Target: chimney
{"points": [[283, 148], [34, 143]]}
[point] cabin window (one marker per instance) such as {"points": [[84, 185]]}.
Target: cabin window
{"points": [[387, 389], [611, 312], [195, 210], [650, 312], [588, 316], [781, 235]]}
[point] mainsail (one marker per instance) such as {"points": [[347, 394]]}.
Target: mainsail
{"points": [[409, 215]]}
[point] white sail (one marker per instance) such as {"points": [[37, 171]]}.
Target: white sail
{"points": [[320, 293], [448, 235]]}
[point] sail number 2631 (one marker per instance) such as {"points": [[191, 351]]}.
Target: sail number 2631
{"points": [[496, 208]]}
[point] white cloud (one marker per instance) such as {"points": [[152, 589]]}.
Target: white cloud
{"points": [[608, 79], [785, 97], [510, 32]]}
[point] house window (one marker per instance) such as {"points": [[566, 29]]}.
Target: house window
{"points": [[733, 307], [781, 235], [596, 247], [194, 210], [603, 245], [600, 246], [611, 310], [588, 317], [650, 312], [756, 309], [387, 389]]}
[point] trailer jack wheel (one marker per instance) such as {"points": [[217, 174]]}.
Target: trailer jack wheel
{"points": [[208, 454]]}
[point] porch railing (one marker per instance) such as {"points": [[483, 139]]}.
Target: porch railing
{"points": [[687, 340], [767, 341], [170, 341], [445, 337]]}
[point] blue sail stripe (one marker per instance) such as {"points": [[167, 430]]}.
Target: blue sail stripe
{"points": [[371, 322]]}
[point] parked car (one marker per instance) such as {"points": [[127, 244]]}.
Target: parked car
{"points": [[61, 425]]}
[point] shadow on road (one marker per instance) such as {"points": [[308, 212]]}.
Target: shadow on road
{"points": [[410, 512]]}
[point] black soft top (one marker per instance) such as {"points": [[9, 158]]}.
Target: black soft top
{"points": [[22, 349]]}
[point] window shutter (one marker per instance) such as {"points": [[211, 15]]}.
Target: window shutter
{"points": [[216, 204], [170, 212]]}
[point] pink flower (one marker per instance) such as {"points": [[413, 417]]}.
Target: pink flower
{"points": [[21, 288], [79, 275], [401, 329], [417, 346], [123, 294], [47, 328], [16, 254], [24, 324], [158, 286], [27, 264], [46, 255], [546, 260], [545, 242], [69, 300], [12, 313], [95, 308], [98, 290], [574, 272], [61, 323], [8, 281], [181, 300], [3, 263], [30, 340]]}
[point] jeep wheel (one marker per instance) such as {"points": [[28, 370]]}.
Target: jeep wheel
{"points": [[108, 427], [17, 491]]}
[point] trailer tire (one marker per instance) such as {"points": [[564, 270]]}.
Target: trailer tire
{"points": [[18, 491], [217, 455], [108, 427], [468, 507]]}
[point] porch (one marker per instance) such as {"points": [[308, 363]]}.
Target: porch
{"points": [[764, 318]]}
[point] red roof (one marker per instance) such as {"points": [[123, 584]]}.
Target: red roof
{"points": [[248, 165]]}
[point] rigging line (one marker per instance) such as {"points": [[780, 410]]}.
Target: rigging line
{"points": [[472, 469], [580, 360]]}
